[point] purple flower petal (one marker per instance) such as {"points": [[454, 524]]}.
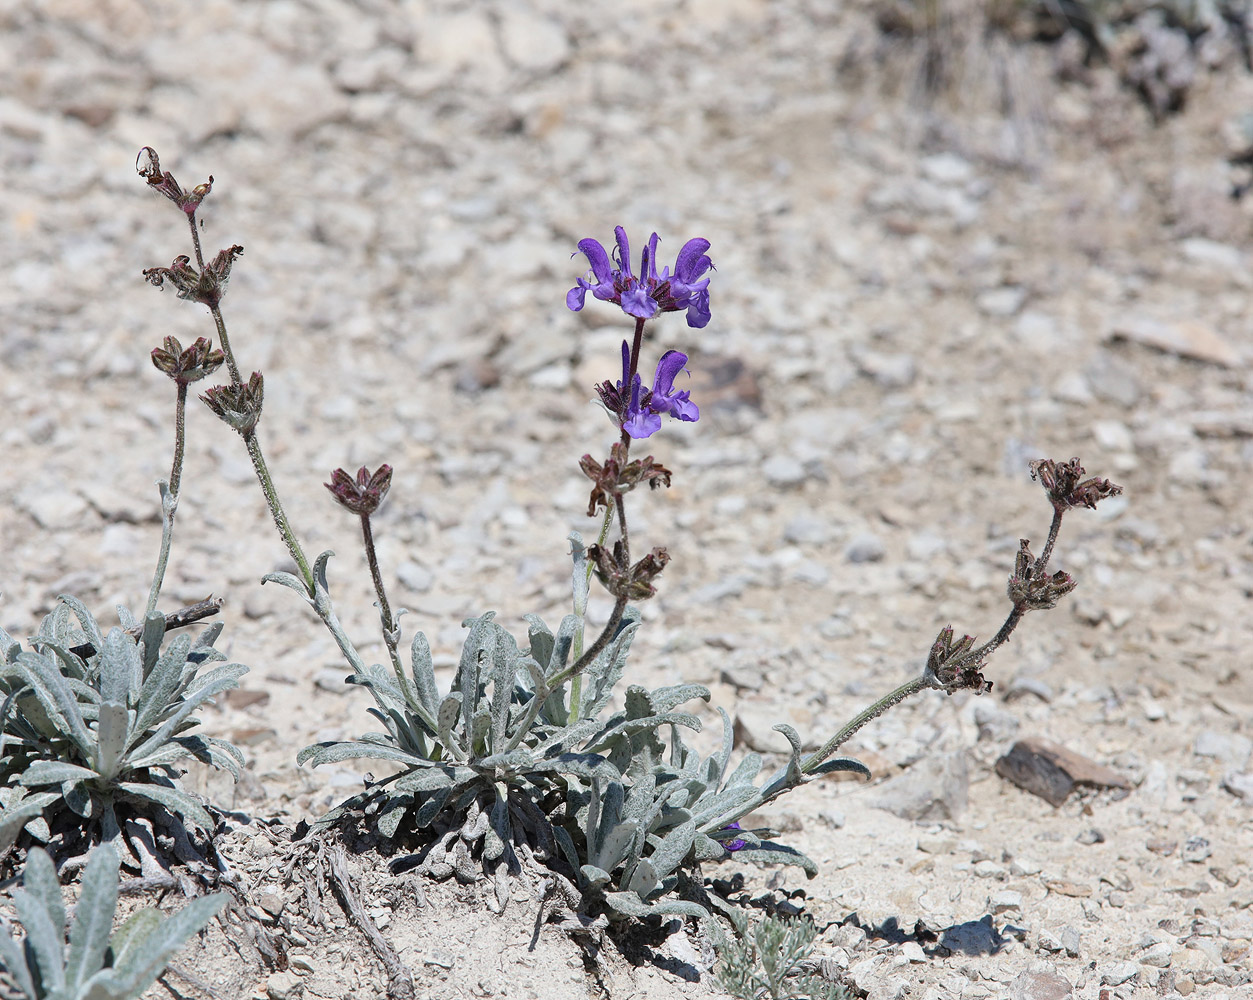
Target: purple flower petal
{"points": [[637, 302], [598, 259], [574, 298], [671, 363], [691, 262], [624, 251], [642, 424]]}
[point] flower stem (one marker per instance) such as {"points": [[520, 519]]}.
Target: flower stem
{"points": [[859, 720], [223, 339], [390, 632], [169, 497], [576, 684], [276, 509]]}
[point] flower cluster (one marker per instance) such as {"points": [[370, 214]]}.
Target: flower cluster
{"points": [[638, 408], [651, 292]]}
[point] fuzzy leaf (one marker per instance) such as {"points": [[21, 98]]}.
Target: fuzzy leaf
{"points": [[600, 679], [842, 764], [120, 666], [13, 961], [449, 709], [429, 811], [57, 699], [631, 726], [389, 818], [91, 630], [77, 797], [566, 843], [430, 778], [17, 814], [53, 772], [149, 647], [39, 908], [143, 964], [664, 699], [423, 667], [630, 905], [541, 639], [615, 844], [478, 651], [770, 853], [173, 800], [93, 917], [643, 879], [111, 737], [333, 753], [748, 769], [159, 686], [673, 848], [215, 682], [596, 877]]}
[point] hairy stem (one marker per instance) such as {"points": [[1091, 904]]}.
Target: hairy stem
{"points": [[390, 632], [859, 720], [224, 340], [276, 510], [169, 498], [576, 684]]}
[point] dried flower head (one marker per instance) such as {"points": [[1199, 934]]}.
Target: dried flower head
{"points": [[635, 583], [950, 666], [1066, 486], [238, 405], [1031, 590], [207, 286], [618, 476], [652, 292], [186, 365], [363, 494], [162, 181]]}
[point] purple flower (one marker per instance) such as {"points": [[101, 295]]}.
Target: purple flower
{"points": [[652, 292], [738, 843], [640, 409]]}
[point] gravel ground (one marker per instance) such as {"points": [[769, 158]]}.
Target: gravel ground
{"points": [[911, 302]]}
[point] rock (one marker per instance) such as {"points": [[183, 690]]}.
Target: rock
{"points": [[1196, 850], [416, 578], [1040, 984], [1050, 771], [1231, 749], [936, 788], [283, 986], [1239, 784], [865, 548], [1118, 973], [1186, 338], [1158, 956], [1069, 938], [806, 529], [332, 679], [912, 950], [1113, 380], [783, 471], [1005, 900], [531, 41], [1001, 302], [892, 371]]}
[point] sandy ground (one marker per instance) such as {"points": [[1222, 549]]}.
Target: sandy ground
{"points": [[910, 304]]}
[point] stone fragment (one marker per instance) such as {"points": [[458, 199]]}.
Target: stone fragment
{"points": [[1118, 973], [1187, 338], [936, 788], [1240, 785], [1158, 955], [1004, 301], [1196, 850], [783, 471], [1040, 984], [1050, 771], [1231, 749], [282, 986], [1005, 900], [865, 548]]}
